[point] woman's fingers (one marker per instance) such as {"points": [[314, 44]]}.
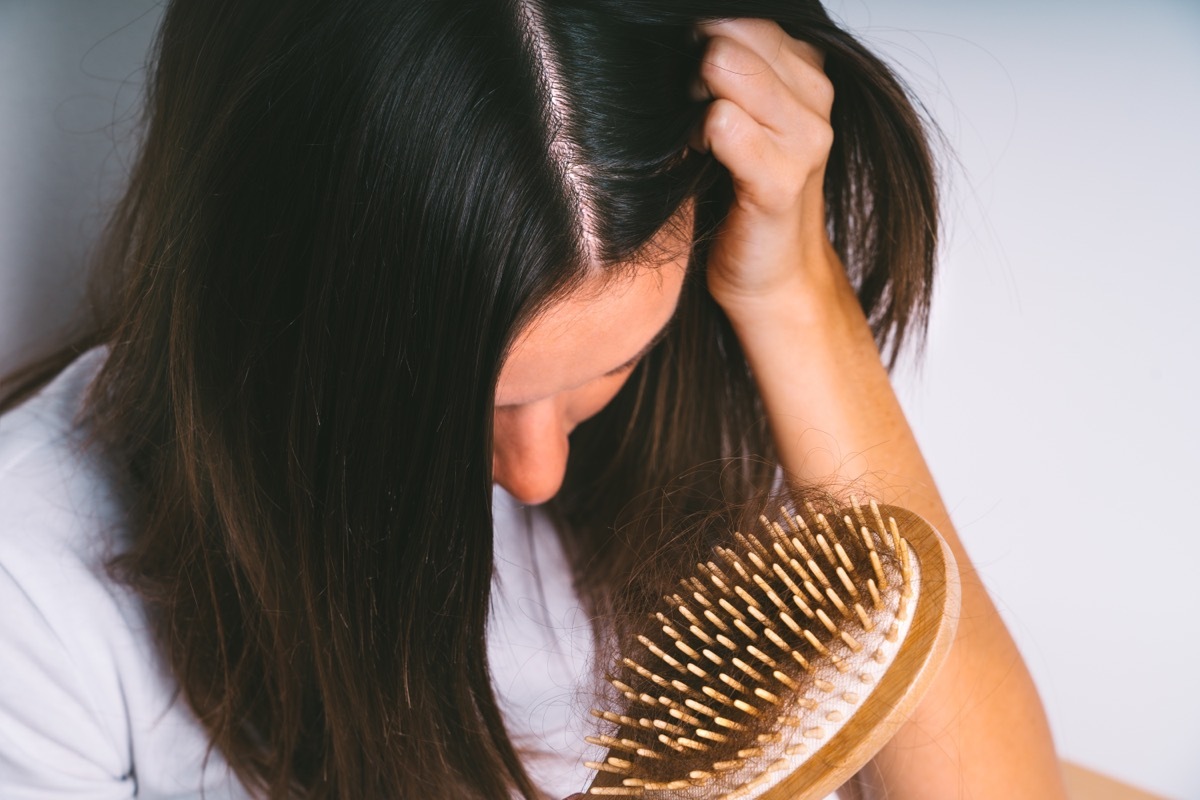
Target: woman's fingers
{"points": [[799, 64], [776, 83], [758, 168], [766, 38], [732, 71], [761, 124]]}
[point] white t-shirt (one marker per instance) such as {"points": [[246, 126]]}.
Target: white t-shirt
{"points": [[87, 707], [89, 710]]}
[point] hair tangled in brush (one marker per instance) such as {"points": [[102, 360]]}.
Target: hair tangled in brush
{"points": [[776, 661]]}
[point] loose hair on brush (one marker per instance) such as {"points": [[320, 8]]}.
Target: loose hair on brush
{"points": [[342, 214]]}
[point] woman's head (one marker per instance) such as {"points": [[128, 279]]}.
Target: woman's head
{"points": [[386, 194], [366, 241]]}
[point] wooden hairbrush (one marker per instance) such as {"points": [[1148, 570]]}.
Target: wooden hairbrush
{"points": [[785, 662]]}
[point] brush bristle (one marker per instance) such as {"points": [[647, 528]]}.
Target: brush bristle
{"points": [[762, 655]]}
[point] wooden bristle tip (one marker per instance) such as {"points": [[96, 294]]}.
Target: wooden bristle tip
{"points": [[770, 697], [846, 582], [715, 620], [880, 578], [749, 670], [876, 599], [733, 683], [816, 570], [868, 540], [731, 609], [746, 708], [813, 591], [746, 629], [837, 602], [825, 548], [785, 680], [720, 697], [847, 564], [878, 517], [616, 791], [815, 642], [867, 623], [695, 705]]}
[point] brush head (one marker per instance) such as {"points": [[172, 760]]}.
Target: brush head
{"points": [[783, 662]]}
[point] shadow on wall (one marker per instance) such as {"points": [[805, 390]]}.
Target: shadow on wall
{"points": [[70, 84]]}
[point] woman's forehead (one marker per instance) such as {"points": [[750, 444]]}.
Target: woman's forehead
{"points": [[603, 323], [590, 333]]}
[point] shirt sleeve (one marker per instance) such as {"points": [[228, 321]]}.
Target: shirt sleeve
{"points": [[52, 745]]}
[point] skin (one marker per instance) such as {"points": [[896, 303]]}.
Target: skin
{"points": [[573, 359], [981, 731]]}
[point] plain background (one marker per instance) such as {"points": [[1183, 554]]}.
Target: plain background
{"points": [[1058, 394]]}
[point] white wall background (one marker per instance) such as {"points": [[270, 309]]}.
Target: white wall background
{"points": [[1058, 399], [1058, 402], [70, 75]]}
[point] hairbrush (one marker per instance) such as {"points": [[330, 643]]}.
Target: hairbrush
{"points": [[784, 662]]}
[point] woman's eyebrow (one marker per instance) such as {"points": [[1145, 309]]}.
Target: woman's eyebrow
{"points": [[658, 337]]}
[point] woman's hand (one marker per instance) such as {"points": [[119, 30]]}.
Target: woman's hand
{"points": [[768, 123]]}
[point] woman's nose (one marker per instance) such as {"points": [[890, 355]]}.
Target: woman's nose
{"points": [[529, 454]]}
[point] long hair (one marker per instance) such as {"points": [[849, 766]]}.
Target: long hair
{"points": [[342, 214]]}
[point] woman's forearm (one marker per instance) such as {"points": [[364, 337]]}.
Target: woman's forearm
{"points": [[981, 731]]}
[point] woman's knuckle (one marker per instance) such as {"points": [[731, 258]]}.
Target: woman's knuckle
{"points": [[724, 117], [823, 92], [725, 55], [827, 137], [819, 134]]}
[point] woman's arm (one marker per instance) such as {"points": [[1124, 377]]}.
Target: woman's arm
{"points": [[981, 731]]}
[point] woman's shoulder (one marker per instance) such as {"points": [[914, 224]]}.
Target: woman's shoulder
{"points": [[84, 697], [52, 487], [57, 495], [62, 689]]}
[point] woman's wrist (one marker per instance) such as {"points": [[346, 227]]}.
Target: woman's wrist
{"points": [[815, 305]]}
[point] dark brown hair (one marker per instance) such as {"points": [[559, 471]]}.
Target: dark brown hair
{"points": [[341, 215]]}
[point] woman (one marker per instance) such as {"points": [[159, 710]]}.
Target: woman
{"points": [[376, 256]]}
